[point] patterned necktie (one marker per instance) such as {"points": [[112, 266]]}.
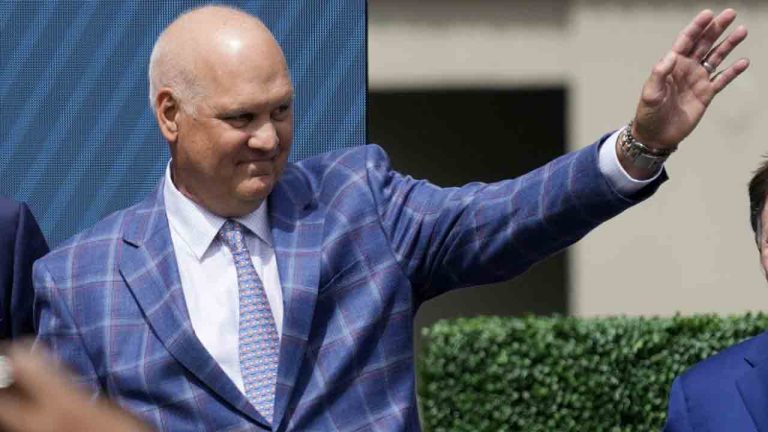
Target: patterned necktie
{"points": [[259, 342]]}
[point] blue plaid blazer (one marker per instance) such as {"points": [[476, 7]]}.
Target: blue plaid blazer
{"points": [[359, 247]]}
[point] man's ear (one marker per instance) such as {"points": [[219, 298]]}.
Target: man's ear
{"points": [[167, 111]]}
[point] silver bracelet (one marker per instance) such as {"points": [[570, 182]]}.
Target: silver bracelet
{"points": [[639, 154]]}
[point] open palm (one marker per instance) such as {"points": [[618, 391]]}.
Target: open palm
{"points": [[680, 87]]}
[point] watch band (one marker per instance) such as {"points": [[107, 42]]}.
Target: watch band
{"points": [[640, 155]]}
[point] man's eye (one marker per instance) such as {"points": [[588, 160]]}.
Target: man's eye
{"points": [[239, 120], [281, 111]]}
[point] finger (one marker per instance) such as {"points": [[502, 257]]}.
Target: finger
{"points": [[656, 87], [688, 37], [724, 48], [712, 33], [33, 372], [722, 79]]}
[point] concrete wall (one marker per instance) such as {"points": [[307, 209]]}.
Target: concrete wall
{"points": [[687, 249]]}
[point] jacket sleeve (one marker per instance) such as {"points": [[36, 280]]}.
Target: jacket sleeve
{"points": [[446, 238], [29, 245], [57, 330], [677, 417]]}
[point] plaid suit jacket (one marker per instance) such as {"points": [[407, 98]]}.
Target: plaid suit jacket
{"points": [[359, 247]]}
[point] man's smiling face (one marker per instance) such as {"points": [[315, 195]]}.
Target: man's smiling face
{"points": [[231, 141]]}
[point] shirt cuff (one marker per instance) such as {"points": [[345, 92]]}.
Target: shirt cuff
{"points": [[609, 165]]}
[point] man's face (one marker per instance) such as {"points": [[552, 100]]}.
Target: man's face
{"points": [[232, 149], [762, 240]]}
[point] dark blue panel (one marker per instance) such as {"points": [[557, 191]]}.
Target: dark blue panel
{"points": [[76, 133]]}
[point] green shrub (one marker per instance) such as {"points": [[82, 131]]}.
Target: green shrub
{"points": [[564, 373]]}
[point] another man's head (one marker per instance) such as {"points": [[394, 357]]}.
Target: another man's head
{"points": [[222, 96], [758, 213]]}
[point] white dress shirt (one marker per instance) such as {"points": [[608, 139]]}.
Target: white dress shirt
{"points": [[608, 162], [209, 278]]}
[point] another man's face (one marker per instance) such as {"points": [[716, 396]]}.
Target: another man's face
{"points": [[232, 150], [762, 240]]}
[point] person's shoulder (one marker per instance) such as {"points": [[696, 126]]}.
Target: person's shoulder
{"points": [[15, 218], [346, 158], [8, 203], [10, 213], [726, 366], [9, 209], [330, 177], [334, 169], [95, 241]]}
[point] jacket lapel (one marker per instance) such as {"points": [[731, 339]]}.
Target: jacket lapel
{"points": [[148, 265], [297, 232], [753, 385]]}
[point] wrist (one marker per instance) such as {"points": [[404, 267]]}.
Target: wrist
{"points": [[638, 134], [639, 160]]}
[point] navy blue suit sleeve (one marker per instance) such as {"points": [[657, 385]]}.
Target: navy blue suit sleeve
{"points": [[23, 243], [677, 417]]}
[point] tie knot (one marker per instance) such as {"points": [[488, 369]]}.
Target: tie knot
{"points": [[232, 234]]}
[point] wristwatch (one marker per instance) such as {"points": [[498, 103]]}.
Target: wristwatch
{"points": [[640, 155]]}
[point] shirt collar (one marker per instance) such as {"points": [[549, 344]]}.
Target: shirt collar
{"points": [[198, 227]]}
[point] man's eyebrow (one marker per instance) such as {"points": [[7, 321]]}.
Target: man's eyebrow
{"points": [[231, 112], [242, 108]]}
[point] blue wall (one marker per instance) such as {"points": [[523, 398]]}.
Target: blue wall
{"points": [[77, 137]]}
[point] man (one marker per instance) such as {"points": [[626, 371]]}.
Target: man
{"points": [[21, 243], [729, 391], [248, 293]]}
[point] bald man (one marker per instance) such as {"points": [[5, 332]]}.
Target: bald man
{"points": [[248, 293]]}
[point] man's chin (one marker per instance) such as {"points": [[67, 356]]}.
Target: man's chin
{"points": [[244, 203], [255, 192]]}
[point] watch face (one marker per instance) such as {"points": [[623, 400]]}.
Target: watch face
{"points": [[639, 155], [645, 160]]}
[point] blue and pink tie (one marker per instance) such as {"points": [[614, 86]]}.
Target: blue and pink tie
{"points": [[259, 342]]}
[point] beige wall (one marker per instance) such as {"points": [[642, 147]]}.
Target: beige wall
{"points": [[687, 249], [444, 43]]}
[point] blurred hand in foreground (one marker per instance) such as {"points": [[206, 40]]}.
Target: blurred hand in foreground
{"points": [[38, 396]]}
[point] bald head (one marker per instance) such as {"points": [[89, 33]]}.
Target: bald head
{"points": [[223, 99], [201, 44]]}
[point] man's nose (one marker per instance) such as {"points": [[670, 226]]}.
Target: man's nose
{"points": [[264, 139]]}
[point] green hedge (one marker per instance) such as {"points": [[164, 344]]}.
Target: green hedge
{"points": [[563, 373]]}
